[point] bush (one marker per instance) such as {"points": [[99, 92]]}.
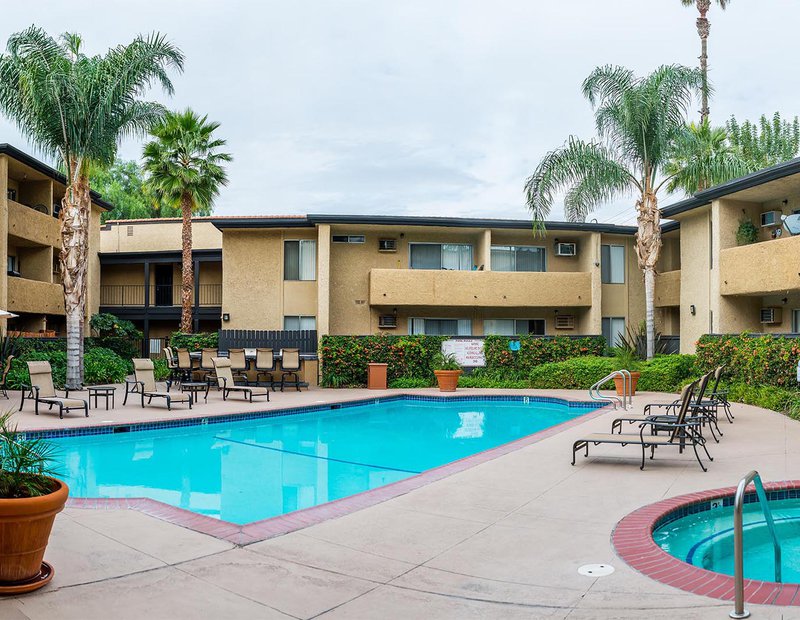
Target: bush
{"points": [[575, 374], [194, 342], [100, 366], [535, 351], [766, 396], [160, 368], [113, 333], [410, 382], [763, 360], [667, 373]]}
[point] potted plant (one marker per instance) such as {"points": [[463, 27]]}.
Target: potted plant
{"points": [[447, 371], [747, 232], [626, 359], [30, 498]]}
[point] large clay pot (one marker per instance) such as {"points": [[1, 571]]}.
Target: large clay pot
{"points": [[447, 379], [25, 525], [634, 381]]}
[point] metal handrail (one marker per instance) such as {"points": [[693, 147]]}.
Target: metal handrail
{"points": [[738, 534], [594, 391]]}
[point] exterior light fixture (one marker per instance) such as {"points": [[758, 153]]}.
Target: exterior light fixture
{"points": [[226, 317], [692, 310]]}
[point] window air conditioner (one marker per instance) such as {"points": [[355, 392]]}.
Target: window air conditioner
{"points": [[387, 321], [770, 316], [566, 249], [771, 218]]}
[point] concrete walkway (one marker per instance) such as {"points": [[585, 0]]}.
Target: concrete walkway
{"points": [[503, 539]]}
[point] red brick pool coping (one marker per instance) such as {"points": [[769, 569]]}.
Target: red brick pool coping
{"points": [[290, 522], [633, 541]]}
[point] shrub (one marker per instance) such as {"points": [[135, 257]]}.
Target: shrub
{"points": [[117, 334], [100, 366], [534, 351], [410, 382], [575, 374], [160, 368], [194, 342], [766, 396], [667, 373], [18, 373], [761, 360]]}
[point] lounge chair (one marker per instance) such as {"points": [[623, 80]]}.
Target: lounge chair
{"points": [[680, 432], [706, 413], [265, 366], [290, 366], [41, 389], [206, 365], [222, 368], [174, 371], [144, 383], [3, 379], [718, 397], [239, 364]]}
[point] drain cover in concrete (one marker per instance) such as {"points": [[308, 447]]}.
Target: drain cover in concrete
{"points": [[596, 570]]}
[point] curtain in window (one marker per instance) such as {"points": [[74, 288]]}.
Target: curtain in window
{"points": [[464, 327], [530, 326], [499, 327], [308, 322], [426, 256], [291, 322], [456, 256], [502, 259], [530, 259], [612, 264], [308, 260], [291, 260], [417, 326], [613, 328]]}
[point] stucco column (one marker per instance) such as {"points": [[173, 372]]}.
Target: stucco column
{"points": [[486, 250], [3, 235], [323, 279], [590, 261]]}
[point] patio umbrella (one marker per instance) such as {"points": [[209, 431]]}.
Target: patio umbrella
{"points": [[5, 314]]}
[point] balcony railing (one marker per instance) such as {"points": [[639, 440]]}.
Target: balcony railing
{"points": [[160, 295]]}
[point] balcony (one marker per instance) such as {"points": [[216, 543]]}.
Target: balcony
{"points": [[482, 289], [668, 289], [34, 296], [31, 225], [765, 268], [162, 296]]}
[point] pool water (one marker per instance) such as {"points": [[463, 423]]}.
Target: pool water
{"points": [[705, 540], [255, 469]]}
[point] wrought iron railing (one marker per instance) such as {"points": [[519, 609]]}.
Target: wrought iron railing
{"points": [[131, 295]]}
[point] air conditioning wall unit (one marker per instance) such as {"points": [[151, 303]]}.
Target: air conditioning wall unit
{"points": [[387, 321], [771, 316], [566, 249], [771, 218], [387, 245], [565, 321]]}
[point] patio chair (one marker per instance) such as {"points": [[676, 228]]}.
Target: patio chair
{"points": [[720, 397], [679, 433], [265, 366], [239, 365], [290, 366], [222, 368], [41, 389], [206, 365], [174, 371], [144, 383], [704, 412], [185, 366], [6, 368]]}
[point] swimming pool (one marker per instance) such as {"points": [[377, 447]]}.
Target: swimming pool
{"points": [[705, 538], [247, 470]]}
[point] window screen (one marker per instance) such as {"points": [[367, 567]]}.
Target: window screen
{"points": [[612, 264]]}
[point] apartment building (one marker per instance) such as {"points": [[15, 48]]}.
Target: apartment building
{"points": [[30, 241], [729, 288]]}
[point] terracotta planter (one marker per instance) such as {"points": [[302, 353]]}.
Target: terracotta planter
{"points": [[25, 526], [634, 381], [447, 379]]}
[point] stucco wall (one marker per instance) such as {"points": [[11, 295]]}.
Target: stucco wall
{"points": [[695, 279], [157, 235]]}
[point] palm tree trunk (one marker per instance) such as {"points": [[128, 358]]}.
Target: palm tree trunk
{"points": [[703, 28], [74, 222], [187, 272], [648, 249]]}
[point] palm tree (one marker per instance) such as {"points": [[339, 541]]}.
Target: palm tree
{"points": [[703, 29], [184, 168], [76, 108], [702, 157], [637, 121]]}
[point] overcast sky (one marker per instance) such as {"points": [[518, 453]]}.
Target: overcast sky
{"points": [[420, 107]]}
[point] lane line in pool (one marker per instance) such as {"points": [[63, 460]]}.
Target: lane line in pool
{"points": [[316, 456]]}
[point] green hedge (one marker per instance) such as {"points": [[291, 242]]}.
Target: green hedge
{"points": [[194, 342], [764, 360], [345, 358], [100, 366]]}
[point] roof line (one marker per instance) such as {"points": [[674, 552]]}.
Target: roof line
{"points": [[773, 173], [40, 166]]}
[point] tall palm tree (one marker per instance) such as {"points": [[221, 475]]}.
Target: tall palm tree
{"points": [[703, 29], [702, 157], [184, 167], [637, 120], [76, 108]]}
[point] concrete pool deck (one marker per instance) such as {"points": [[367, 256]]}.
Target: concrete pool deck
{"points": [[502, 539]]}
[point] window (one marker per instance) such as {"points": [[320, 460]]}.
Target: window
{"points": [[299, 322], [613, 329], [455, 256], [441, 327], [518, 258], [513, 327], [11, 264], [612, 264], [300, 260], [348, 238], [796, 321]]}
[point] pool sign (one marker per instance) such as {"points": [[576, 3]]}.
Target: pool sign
{"points": [[467, 351]]}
